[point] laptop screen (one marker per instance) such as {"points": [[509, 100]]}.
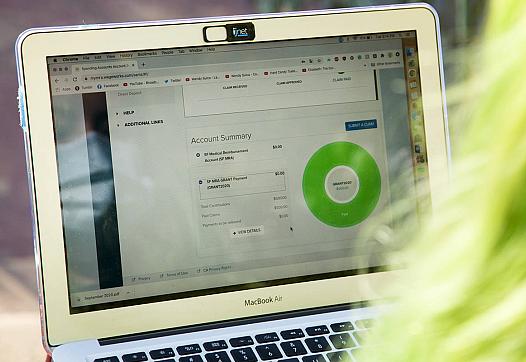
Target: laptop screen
{"points": [[192, 171]]}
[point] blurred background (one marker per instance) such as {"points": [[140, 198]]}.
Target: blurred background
{"points": [[19, 324]]}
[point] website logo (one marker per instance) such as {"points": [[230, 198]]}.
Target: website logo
{"points": [[240, 32]]}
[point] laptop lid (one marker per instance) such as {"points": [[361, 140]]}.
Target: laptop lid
{"points": [[213, 169]]}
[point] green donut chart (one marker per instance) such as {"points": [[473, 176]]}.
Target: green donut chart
{"points": [[341, 184]]}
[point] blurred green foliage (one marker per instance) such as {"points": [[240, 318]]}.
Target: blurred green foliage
{"points": [[461, 19]]}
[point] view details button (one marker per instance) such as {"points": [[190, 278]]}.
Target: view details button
{"points": [[363, 124]]}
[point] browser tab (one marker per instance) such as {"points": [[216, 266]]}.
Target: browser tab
{"points": [[108, 66]]}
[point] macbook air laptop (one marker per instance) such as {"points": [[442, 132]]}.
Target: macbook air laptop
{"points": [[221, 189]]}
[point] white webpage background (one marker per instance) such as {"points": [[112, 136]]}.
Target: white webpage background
{"points": [[155, 181]]}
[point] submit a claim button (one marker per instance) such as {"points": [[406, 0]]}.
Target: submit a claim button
{"points": [[362, 124]]}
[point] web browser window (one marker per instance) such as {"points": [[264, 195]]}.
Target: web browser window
{"points": [[192, 171]]}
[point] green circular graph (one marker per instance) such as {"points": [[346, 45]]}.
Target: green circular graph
{"points": [[341, 184]]}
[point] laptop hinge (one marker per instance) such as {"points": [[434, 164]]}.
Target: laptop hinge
{"points": [[229, 323]]}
